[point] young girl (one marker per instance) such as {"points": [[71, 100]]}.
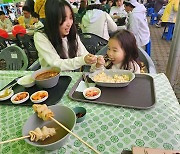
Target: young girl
{"points": [[58, 44], [121, 54]]}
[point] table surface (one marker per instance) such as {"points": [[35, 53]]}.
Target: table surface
{"points": [[108, 129]]}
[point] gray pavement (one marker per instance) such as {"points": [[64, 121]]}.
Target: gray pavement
{"points": [[160, 49]]}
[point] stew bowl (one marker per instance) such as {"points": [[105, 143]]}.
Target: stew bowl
{"points": [[46, 77], [64, 115]]}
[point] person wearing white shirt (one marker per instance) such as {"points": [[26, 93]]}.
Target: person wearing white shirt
{"points": [[58, 44], [5, 23], [118, 11], [97, 22], [138, 24]]}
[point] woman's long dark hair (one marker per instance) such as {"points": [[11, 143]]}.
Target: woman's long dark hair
{"points": [[127, 42], [55, 16]]}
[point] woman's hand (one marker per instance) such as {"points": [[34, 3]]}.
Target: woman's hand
{"points": [[100, 62], [90, 59]]}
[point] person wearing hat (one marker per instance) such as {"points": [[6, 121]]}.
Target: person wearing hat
{"points": [[137, 24]]}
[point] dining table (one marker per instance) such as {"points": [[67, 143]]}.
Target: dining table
{"points": [[109, 129]]}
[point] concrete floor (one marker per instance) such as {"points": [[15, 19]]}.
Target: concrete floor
{"points": [[160, 53]]}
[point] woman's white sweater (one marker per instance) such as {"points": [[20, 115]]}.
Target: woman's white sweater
{"points": [[48, 55]]}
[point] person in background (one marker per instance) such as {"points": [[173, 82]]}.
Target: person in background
{"points": [[30, 4], [5, 23], [39, 9], [37, 24], [159, 4], [25, 20], [97, 22], [159, 7], [122, 53], [82, 8], [137, 23], [58, 44], [106, 7], [110, 3], [17, 10], [170, 13], [74, 7], [118, 11], [149, 4]]}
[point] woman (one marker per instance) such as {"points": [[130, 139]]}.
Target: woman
{"points": [[58, 44]]}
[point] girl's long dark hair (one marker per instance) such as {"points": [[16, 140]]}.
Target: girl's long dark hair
{"points": [[55, 16], [127, 42]]}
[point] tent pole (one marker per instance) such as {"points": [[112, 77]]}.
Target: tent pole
{"points": [[173, 66]]}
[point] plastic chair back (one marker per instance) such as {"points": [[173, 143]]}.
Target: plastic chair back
{"points": [[3, 33], [2, 43], [143, 57], [15, 58], [92, 42], [26, 42]]}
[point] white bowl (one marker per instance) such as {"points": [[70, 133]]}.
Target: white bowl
{"points": [[26, 81], [10, 91], [46, 82], [39, 100], [20, 101], [111, 73], [91, 90]]}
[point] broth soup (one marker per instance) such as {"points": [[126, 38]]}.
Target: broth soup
{"points": [[46, 75], [60, 133]]}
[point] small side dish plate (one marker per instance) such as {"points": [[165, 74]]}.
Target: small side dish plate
{"points": [[39, 96], [9, 92], [92, 93], [20, 97]]}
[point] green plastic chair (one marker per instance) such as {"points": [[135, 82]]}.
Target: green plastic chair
{"points": [[14, 57]]}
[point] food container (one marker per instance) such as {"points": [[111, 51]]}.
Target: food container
{"points": [[92, 93], [39, 96], [20, 97], [113, 73], [46, 77], [26, 81], [6, 94], [63, 114], [80, 114]]}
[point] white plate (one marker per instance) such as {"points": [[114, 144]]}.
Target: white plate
{"points": [[11, 92], [93, 97], [20, 101], [111, 72], [40, 100]]}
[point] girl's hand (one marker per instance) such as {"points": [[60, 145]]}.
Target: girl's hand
{"points": [[90, 59], [100, 62]]}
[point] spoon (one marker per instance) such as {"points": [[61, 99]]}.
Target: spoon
{"points": [[85, 80]]}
